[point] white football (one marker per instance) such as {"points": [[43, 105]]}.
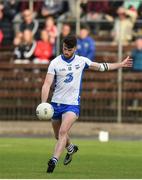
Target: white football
{"points": [[44, 111]]}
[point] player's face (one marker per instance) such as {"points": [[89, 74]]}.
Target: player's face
{"points": [[68, 52]]}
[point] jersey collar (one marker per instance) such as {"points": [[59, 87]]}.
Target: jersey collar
{"points": [[68, 60]]}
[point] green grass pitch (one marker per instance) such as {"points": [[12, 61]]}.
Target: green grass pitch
{"points": [[22, 158]]}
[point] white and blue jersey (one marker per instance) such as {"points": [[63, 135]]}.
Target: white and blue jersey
{"points": [[68, 78]]}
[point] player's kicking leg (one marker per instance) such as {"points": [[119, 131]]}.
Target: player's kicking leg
{"points": [[71, 150], [63, 139]]}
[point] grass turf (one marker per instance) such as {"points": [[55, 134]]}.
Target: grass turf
{"points": [[22, 158]]}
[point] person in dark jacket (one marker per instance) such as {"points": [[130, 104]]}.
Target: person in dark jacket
{"points": [[11, 8], [85, 44], [6, 28], [137, 55], [28, 23], [24, 52], [54, 8]]}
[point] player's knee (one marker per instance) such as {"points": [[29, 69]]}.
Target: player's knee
{"points": [[63, 132]]}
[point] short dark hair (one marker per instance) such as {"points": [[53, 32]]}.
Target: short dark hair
{"points": [[70, 41], [85, 26], [67, 24]]}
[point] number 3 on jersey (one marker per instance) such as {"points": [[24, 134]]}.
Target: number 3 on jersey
{"points": [[69, 78]]}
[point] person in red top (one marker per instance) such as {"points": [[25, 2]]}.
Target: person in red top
{"points": [[1, 36], [44, 49], [51, 28]]}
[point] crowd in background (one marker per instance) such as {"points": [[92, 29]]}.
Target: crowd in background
{"points": [[34, 33]]}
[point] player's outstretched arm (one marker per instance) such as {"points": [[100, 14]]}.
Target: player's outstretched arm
{"points": [[46, 87], [126, 63]]}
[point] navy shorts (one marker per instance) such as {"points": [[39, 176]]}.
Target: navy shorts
{"points": [[60, 109]]}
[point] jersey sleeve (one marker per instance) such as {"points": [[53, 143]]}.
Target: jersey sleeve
{"points": [[51, 68], [87, 62]]}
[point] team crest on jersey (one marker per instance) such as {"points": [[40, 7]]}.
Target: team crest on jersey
{"points": [[69, 68], [77, 66]]}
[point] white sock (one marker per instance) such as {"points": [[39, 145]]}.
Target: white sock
{"points": [[55, 160], [70, 148]]}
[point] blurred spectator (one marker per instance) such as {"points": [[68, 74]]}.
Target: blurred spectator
{"points": [[6, 28], [123, 25], [1, 16], [72, 9], [44, 49], [65, 31], [24, 52], [11, 8], [54, 8], [132, 5], [51, 29], [37, 6], [86, 44], [83, 7], [114, 5], [1, 36], [138, 25], [29, 23], [137, 62], [12, 12], [96, 10], [137, 55]]}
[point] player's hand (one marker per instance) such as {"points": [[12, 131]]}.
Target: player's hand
{"points": [[127, 62]]}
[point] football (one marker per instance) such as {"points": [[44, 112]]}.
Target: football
{"points": [[44, 111]]}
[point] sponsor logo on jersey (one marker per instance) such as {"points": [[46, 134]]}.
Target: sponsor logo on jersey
{"points": [[77, 66], [63, 69]]}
